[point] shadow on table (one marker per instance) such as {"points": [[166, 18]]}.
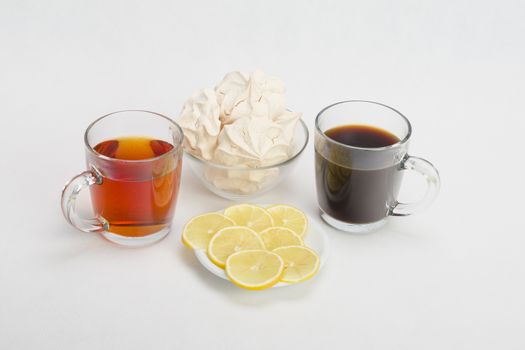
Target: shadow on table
{"points": [[394, 228]]}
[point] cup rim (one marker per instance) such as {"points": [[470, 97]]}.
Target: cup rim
{"points": [[238, 168], [395, 145], [175, 148]]}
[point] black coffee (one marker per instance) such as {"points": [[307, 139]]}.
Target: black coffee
{"points": [[354, 195]]}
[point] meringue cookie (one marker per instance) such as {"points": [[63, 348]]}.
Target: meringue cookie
{"points": [[241, 182], [288, 120], [255, 95], [200, 122], [252, 142]]}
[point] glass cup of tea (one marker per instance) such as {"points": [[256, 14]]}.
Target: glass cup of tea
{"points": [[360, 156], [134, 161]]}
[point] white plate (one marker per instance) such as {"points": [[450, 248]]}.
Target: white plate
{"points": [[315, 239]]}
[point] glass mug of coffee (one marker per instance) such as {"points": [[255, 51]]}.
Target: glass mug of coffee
{"points": [[360, 155], [134, 161]]}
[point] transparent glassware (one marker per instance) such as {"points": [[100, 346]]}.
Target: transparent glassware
{"points": [[133, 200], [338, 164], [243, 183]]}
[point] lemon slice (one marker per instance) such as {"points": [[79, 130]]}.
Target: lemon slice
{"points": [[199, 230], [289, 217], [254, 269], [275, 237], [249, 215], [230, 240], [301, 263]]}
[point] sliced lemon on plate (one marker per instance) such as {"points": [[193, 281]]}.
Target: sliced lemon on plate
{"points": [[289, 217], [230, 240], [254, 269], [199, 230], [275, 237], [301, 263], [249, 215]]}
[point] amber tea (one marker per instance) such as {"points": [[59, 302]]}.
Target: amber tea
{"points": [[136, 207]]}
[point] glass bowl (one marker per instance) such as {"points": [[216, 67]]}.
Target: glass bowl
{"points": [[241, 183]]}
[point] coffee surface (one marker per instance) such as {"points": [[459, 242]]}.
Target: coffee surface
{"points": [[364, 136]]}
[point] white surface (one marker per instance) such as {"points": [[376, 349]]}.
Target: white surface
{"points": [[315, 238], [451, 278]]}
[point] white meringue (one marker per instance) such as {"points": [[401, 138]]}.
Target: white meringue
{"points": [[252, 142], [255, 95], [200, 122], [241, 182], [288, 120]]}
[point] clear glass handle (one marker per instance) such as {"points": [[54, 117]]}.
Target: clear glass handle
{"points": [[69, 197], [431, 174]]}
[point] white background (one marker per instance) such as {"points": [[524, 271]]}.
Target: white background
{"points": [[450, 278]]}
